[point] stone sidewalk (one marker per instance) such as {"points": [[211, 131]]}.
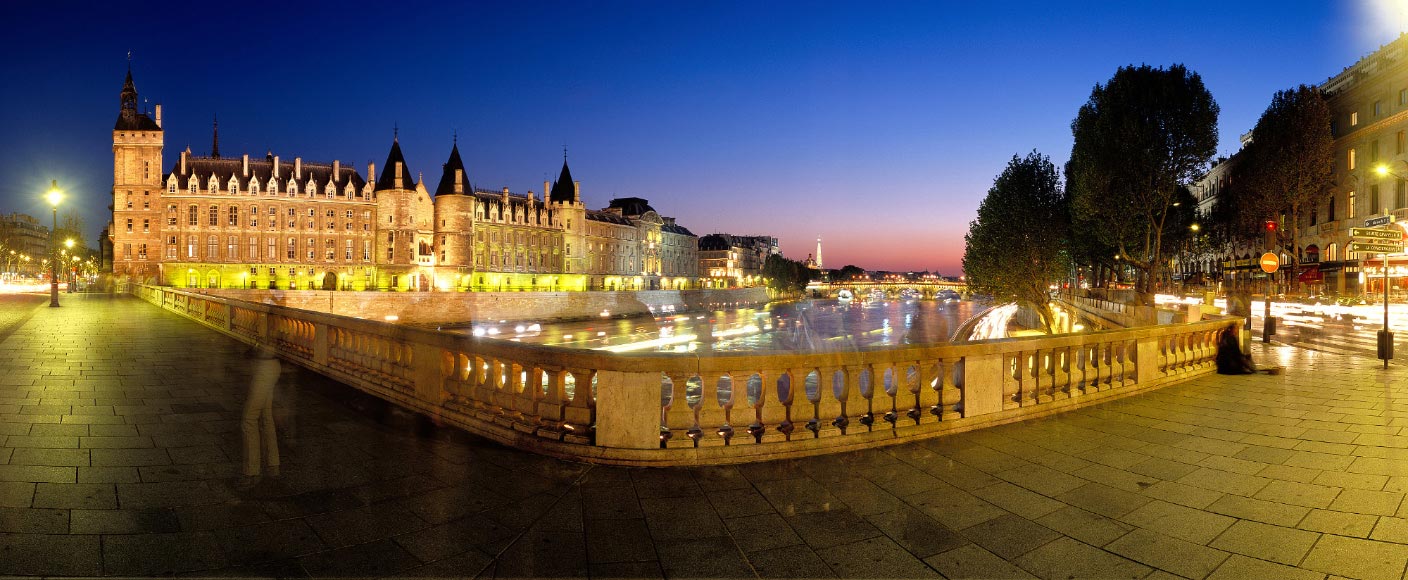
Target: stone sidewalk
{"points": [[120, 447]]}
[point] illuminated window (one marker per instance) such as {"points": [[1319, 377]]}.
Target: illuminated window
{"points": [[253, 249], [1354, 119], [1332, 253], [1349, 210], [212, 248], [1351, 159], [253, 187], [231, 251], [146, 226], [234, 186], [129, 225]]}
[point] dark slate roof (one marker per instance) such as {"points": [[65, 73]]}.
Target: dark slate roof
{"points": [[388, 173], [562, 189], [608, 217], [631, 206], [447, 178], [201, 168], [676, 229], [714, 242]]}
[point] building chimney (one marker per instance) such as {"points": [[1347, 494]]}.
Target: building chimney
{"points": [[576, 191], [371, 172], [158, 115], [276, 168], [246, 165], [336, 169], [298, 168], [398, 183], [546, 188], [183, 162]]}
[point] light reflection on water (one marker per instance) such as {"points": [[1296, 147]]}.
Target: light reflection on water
{"points": [[802, 326]]}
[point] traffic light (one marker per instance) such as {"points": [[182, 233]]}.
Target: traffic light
{"points": [[1271, 235]]}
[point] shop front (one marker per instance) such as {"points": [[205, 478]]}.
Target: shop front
{"points": [[1372, 277]]}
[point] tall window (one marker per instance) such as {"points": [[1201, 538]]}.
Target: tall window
{"points": [[212, 248], [1354, 119], [273, 250], [253, 216], [253, 249], [171, 247], [1332, 253], [214, 215], [1374, 199], [191, 247], [1332, 208], [331, 250], [1349, 203], [1403, 96], [1378, 108], [127, 251], [1374, 151], [1400, 194], [347, 255], [231, 251], [292, 248], [312, 248], [234, 216], [1351, 160], [192, 216], [366, 250], [146, 226], [171, 214], [1399, 143], [129, 225]]}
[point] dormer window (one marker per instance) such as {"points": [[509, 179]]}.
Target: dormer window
{"points": [[234, 186], [349, 191], [273, 185], [253, 187], [213, 186], [292, 188], [192, 184], [171, 184], [312, 187], [329, 190]]}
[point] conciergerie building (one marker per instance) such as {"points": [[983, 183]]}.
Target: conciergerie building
{"points": [[271, 222]]}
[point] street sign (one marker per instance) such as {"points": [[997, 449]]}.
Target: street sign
{"points": [[1382, 220], [1377, 234], [1380, 247], [1269, 263]]}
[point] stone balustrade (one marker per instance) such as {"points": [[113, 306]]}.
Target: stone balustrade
{"points": [[670, 409]]}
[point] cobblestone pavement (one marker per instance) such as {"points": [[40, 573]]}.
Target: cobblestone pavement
{"points": [[120, 449]]}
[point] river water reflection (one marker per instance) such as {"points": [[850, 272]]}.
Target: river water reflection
{"points": [[801, 326]]}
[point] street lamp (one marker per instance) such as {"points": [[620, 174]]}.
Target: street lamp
{"points": [[54, 197]]}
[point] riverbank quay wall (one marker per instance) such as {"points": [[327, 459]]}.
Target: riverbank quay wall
{"points": [[650, 409], [464, 307]]}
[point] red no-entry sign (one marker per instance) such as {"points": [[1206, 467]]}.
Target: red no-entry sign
{"points": [[1269, 263]]}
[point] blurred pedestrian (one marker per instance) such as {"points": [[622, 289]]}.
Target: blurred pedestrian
{"points": [[257, 422]]}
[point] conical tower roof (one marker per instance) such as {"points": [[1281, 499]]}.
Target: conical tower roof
{"points": [[447, 179], [388, 172], [562, 189]]}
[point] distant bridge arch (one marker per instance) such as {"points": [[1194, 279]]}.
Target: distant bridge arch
{"points": [[892, 289]]}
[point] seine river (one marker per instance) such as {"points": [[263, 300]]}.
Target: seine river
{"points": [[802, 326]]}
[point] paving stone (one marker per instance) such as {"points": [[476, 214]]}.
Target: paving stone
{"points": [[1356, 558], [1273, 513], [701, 558], [789, 562], [161, 554], [1238, 567], [1296, 493], [825, 529], [16, 494], [878, 557], [1190, 524], [46, 554], [379, 558], [1068, 558], [114, 521], [1267, 542], [1383, 503], [920, 534], [1168, 553], [758, 533], [1103, 499]]}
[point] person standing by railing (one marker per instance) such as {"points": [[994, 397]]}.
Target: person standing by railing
{"points": [[257, 421]]}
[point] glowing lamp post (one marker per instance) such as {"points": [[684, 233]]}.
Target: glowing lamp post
{"points": [[54, 197]]}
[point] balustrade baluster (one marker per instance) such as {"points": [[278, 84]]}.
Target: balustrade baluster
{"points": [[677, 416], [712, 415], [1061, 372], [1105, 365], [950, 396], [857, 405], [830, 403], [775, 402], [1013, 370]]}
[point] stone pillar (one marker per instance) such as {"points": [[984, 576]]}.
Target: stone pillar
{"points": [[982, 384], [1146, 360], [426, 362], [628, 410], [320, 343]]}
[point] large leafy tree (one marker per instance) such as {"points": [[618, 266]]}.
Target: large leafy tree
{"points": [[1287, 169], [1016, 247], [1137, 139], [787, 276]]}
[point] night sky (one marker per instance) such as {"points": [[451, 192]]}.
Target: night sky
{"points": [[877, 125]]}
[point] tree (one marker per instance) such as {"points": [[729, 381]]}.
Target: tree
{"points": [[848, 272], [784, 275], [1016, 247], [1287, 172], [70, 228], [1139, 136]]}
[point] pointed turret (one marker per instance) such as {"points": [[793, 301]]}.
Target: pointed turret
{"points": [[455, 179], [215, 137], [563, 190], [129, 118], [395, 175]]}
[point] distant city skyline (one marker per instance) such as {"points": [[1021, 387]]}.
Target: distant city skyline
{"points": [[878, 129]]}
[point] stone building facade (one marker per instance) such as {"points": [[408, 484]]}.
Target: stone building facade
{"points": [[220, 222], [22, 236], [730, 261]]}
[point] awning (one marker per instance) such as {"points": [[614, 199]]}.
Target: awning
{"points": [[1311, 274]]}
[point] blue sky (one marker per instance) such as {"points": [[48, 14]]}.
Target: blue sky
{"points": [[878, 126]]}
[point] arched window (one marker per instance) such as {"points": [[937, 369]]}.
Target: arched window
{"points": [[1332, 252]]}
